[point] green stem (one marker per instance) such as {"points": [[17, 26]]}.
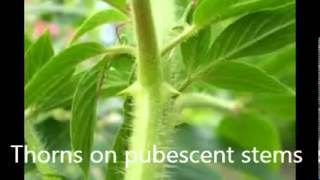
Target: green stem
{"points": [[148, 100], [149, 71], [185, 84], [187, 33], [120, 50], [187, 12], [204, 100]]}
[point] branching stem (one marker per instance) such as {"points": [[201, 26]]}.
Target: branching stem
{"points": [[187, 33]]}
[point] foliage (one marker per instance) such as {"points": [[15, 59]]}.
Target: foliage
{"points": [[209, 66]]}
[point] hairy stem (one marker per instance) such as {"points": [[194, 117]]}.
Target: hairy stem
{"points": [[149, 96]]}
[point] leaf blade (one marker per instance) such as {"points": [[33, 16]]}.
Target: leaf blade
{"points": [[84, 118], [118, 76], [98, 19], [248, 130], [281, 107], [118, 4], [256, 128], [213, 11], [195, 48], [51, 75], [37, 55], [255, 34], [27, 42], [243, 78], [120, 145]]}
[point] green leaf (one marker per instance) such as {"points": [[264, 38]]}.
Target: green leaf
{"points": [[193, 138], [282, 65], [62, 94], [84, 117], [192, 171], [212, 11], [281, 107], [118, 4], [117, 79], [249, 130], [277, 62], [27, 42], [35, 144], [98, 19], [242, 77], [118, 75], [121, 145], [55, 133], [195, 49], [255, 34], [202, 138], [37, 55], [209, 10], [57, 70], [181, 7]]}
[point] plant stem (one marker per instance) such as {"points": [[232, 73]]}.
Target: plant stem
{"points": [[188, 32], [205, 100], [120, 50], [185, 84], [149, 97], [148, 55]]}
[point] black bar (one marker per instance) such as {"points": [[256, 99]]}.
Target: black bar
{"points": [[307, 87], [12, 86]]}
